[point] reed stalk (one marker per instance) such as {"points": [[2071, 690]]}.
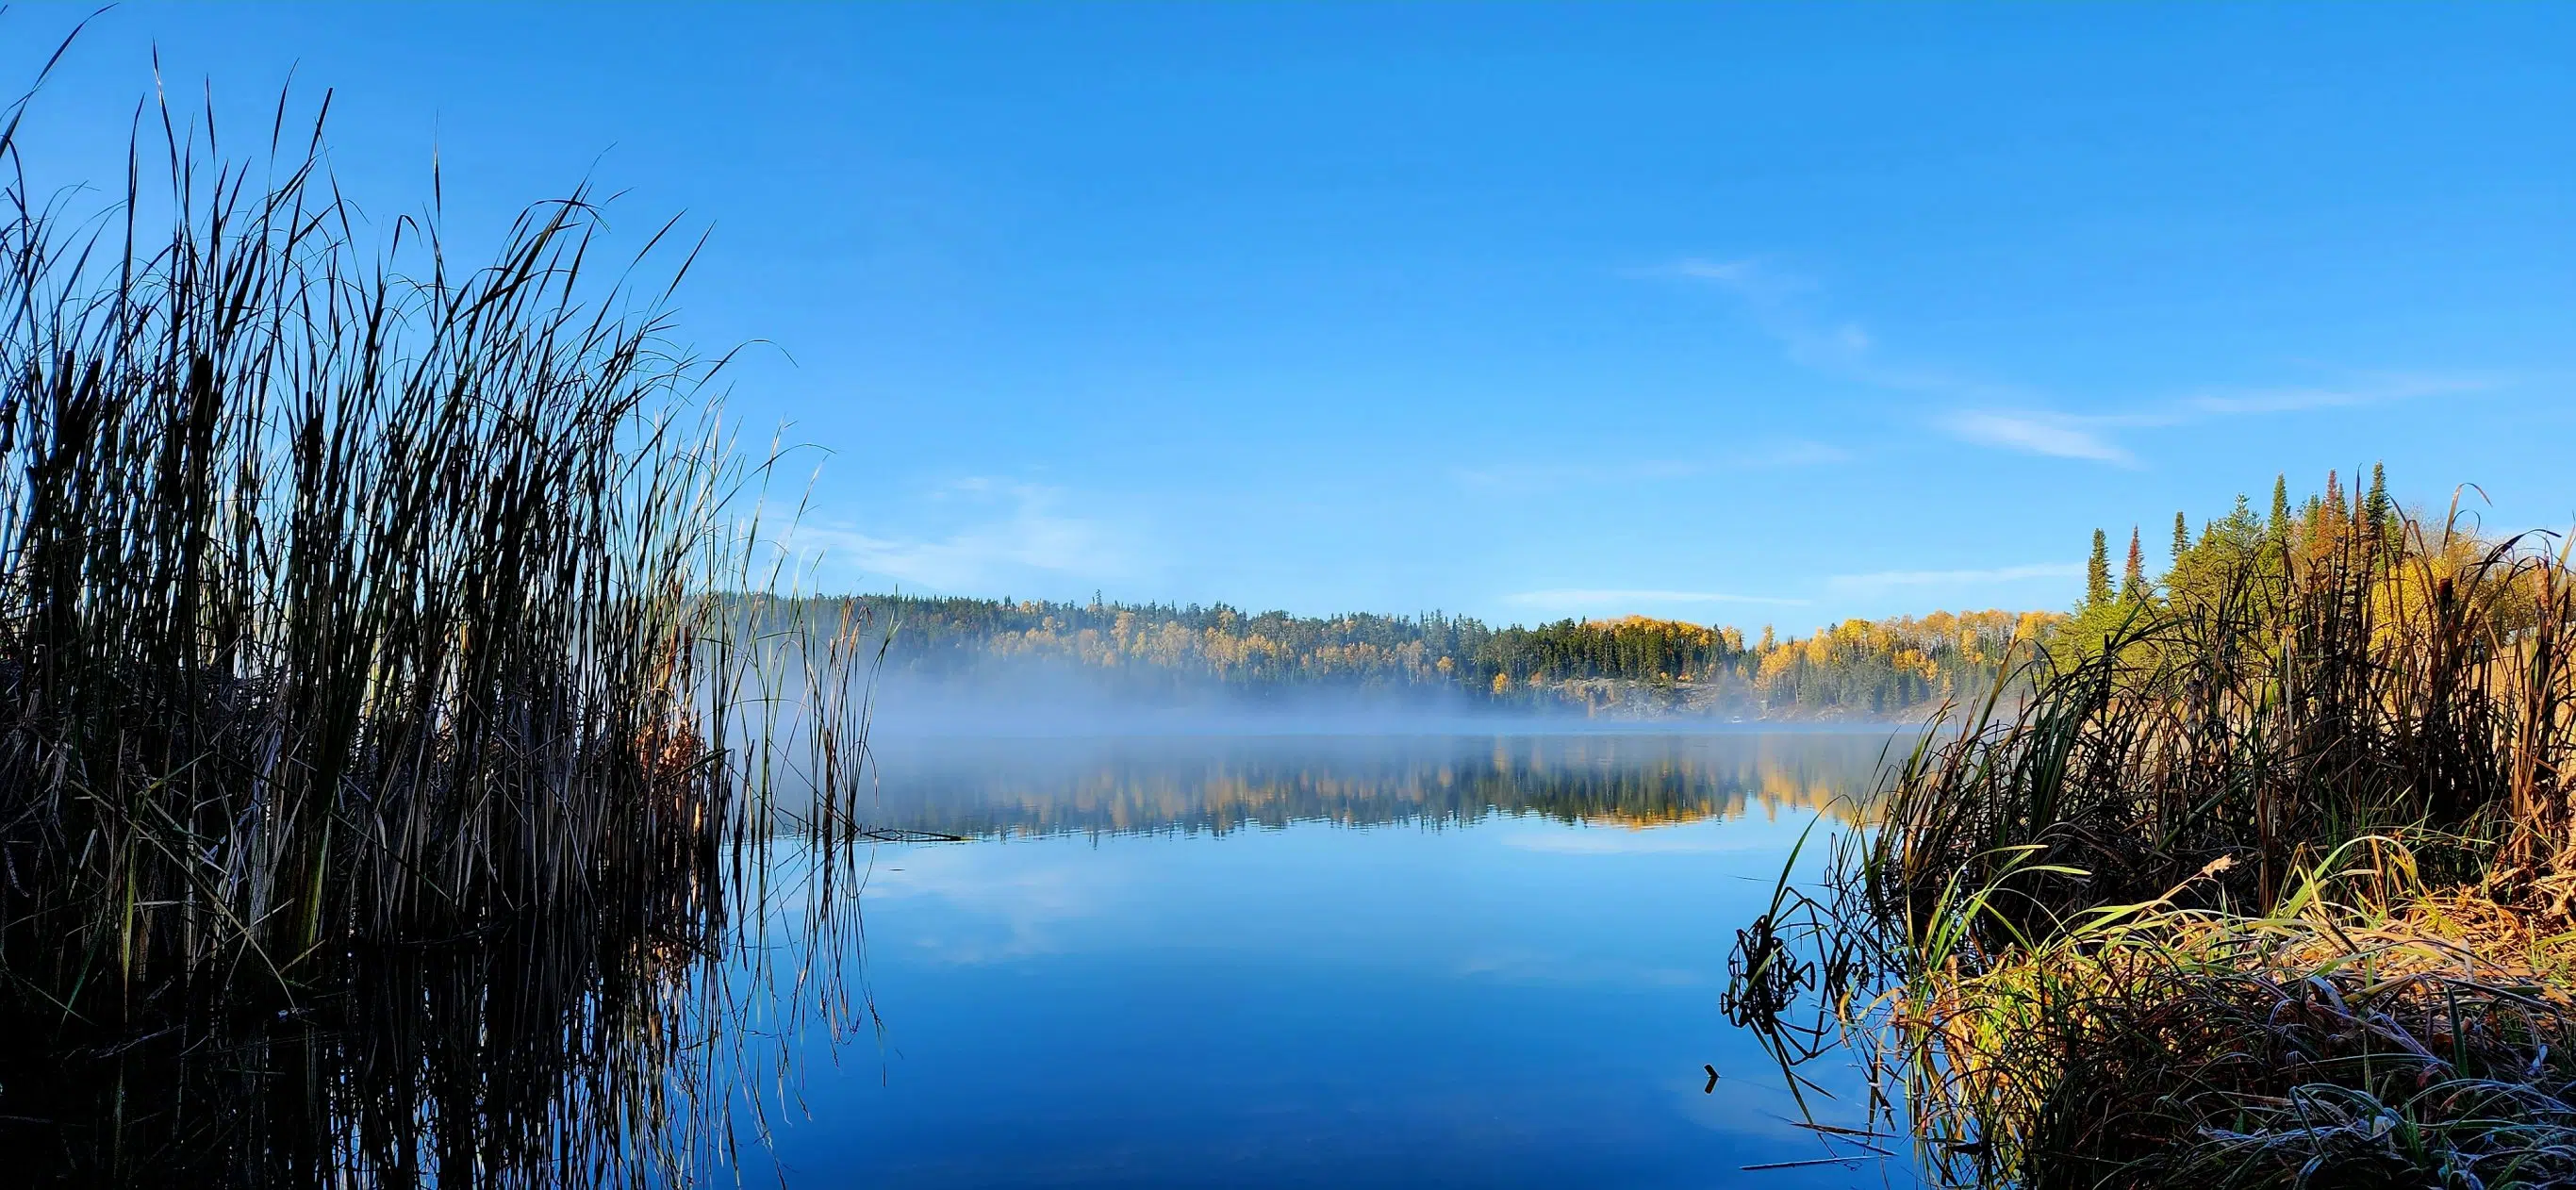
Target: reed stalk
{"points": [[380, 801], [2266, 883]]}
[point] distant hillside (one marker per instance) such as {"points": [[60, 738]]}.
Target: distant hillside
{"points": [[1885, 669]]}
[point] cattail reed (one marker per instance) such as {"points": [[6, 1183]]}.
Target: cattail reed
{"points": [[366, 672], [2268, 882]]}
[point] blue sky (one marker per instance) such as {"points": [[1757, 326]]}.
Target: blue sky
{"points": [[1744, 315]]}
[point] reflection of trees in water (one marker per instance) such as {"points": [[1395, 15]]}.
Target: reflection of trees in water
{"points": [[1217, 785]]}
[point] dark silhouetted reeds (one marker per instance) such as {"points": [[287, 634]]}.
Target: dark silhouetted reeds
{"points": [[374, 792]]}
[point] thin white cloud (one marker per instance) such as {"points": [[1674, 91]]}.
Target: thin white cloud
{"points": [[1011, 533], [1954, 578], [2084, 436], [2005, 416], [2291, 400], [1604, 597], [2050, 434], [1778, 303]]}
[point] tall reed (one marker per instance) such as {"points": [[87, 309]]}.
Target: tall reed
{"points": [[2270, 853], [367, 663], [2349, 676]]}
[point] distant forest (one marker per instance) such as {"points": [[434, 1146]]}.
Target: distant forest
{"points": [[1899, 668], [1895, 668]]}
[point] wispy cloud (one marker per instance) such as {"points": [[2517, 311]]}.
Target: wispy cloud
{"points": [[1782, 304], [2051, 434], [1789, 308], [2087, 436], [2370, 391], [1629, 597], [1953, 578], [1004, 533]]}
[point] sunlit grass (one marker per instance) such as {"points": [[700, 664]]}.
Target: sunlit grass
{"points": [[2265, 885]]}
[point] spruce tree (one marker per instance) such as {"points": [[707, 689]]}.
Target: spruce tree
{"points": [[2133, 580], [2384, 517], [2280, 525], [2182, 538], [2097, 572]]}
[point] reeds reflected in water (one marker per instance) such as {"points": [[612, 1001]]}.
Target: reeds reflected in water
{"points": [[376, 802]]}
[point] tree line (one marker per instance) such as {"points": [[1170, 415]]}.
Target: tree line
{"points": [[1859, 667], [2232, 559]]}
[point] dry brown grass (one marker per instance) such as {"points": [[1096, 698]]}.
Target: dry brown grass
{"points": [[2266, 884]]}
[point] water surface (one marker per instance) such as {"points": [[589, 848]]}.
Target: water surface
{"points": [[1312, 961]]}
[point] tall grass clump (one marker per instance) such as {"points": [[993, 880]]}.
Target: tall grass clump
{"points": [[2267, 882], [366, 674]]}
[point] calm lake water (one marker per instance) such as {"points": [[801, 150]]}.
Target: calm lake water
{"points": [[1312, 961]]}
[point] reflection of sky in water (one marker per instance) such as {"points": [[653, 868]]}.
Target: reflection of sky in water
{"points": [[1526, 1001]]}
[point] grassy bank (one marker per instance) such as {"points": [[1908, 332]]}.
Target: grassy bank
{"points": [[2267, 884], [374, 796]]}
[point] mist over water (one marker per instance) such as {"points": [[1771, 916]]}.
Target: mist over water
{"points": [[1034, 697], [1030, 697], [1308, 958], [1128, 927], [1615, 774]]}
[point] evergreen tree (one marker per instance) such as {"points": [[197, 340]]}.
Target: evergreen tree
{"points": [[2382, 512], [2182, 538], [2097, 572], [2280, 523], [2133, 580]]}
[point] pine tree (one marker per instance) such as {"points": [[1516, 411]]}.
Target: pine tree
{"points": [[2133, 581], [2385, 517], [2182, 538], [2097, 572], [2280, 523]]}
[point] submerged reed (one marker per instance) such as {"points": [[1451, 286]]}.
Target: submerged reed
{"points": [[377, 786], [2266, 883]]}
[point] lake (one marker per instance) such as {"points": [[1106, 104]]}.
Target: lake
{"points": [[1320, 960]]}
